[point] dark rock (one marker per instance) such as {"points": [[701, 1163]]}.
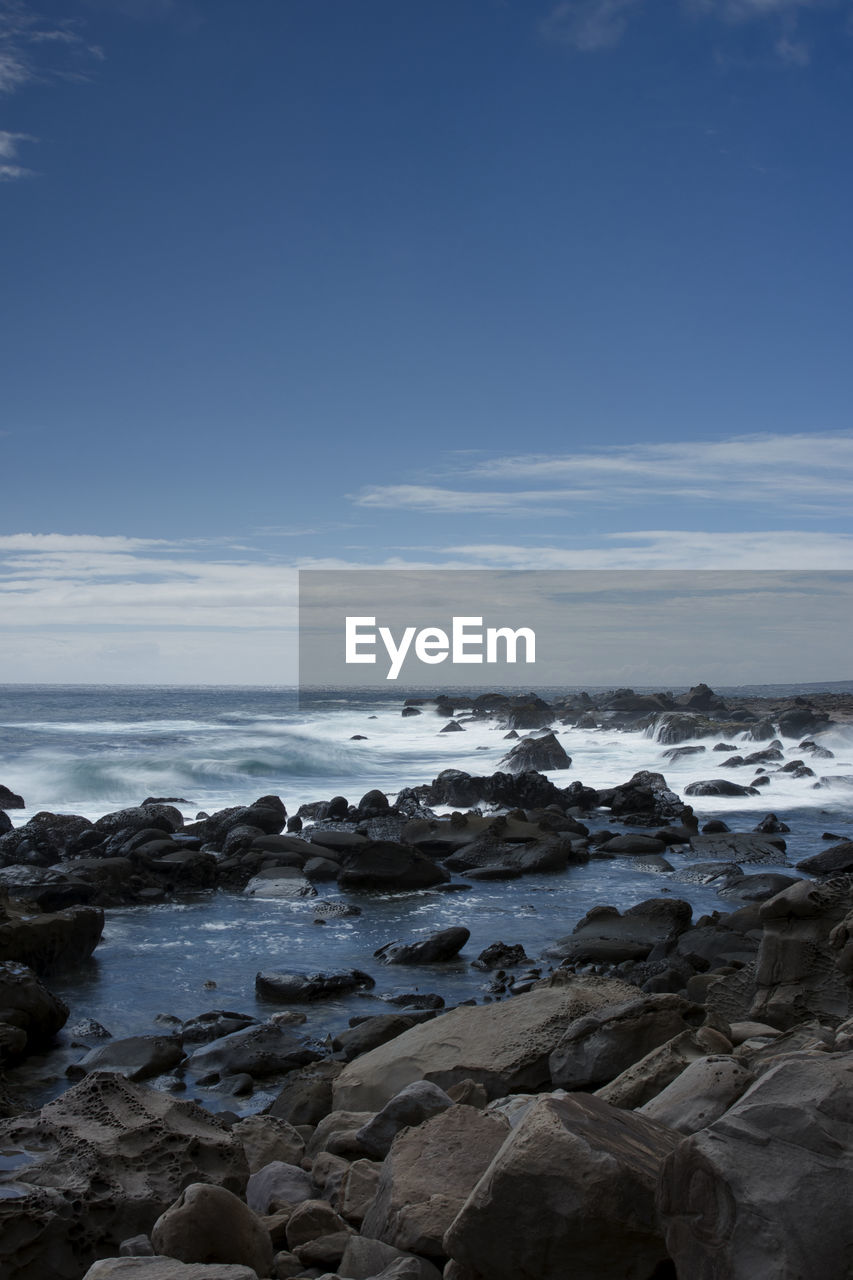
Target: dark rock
{"points": [[136, 1057], [444, 945], [10, 800], [718, 787], [452, 726], [306, 1096], [383, 864], [369, 1034], [298, 988], [56, 941], [500, 955], [410, 711], [536, 754], [757, 888], [677, 753], [606, 935], [836, 860], [214, 1024], [28, 1006], [742, 847], [261, 1050], [372, 805], [772, 826], [645, 800]]}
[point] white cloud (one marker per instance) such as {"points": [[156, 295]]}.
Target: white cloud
{"points": [[808, 472], [588, 24], [675, 549]]}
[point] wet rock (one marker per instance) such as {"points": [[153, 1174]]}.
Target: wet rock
{"points": [[718, 787], [214, 1024], [28, 1006], [298, 988], [836, 860], [371, 1033], [384, 865], [261, 1050], [280, 882], [543, 753], [110, 1156], [136, 1057], [10, 799], [444, 945], [571, 1192], [739, 847], [756, 888], [644, 800], [500, 955], [54, 941], [678, 753], [210, 1224], [306, 1096], [606, 935]]}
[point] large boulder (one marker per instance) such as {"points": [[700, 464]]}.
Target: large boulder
{"points": [[836, 860], [137, 1057], [444, 945], [797, 975], [700, 1094], [542, 753], [505, 1047], [427, 1176], [384, 864], [764, 1193], [570, 1193], [211, 1224], [30, 1008], [302, 988], [57, 941], [644, 800], [261, 1050], [598, 1046], [98, 1165], [606, 935], [647, 1077]]}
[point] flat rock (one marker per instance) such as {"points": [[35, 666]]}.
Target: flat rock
{"points": [[505, 1047], [300, 988], [137, 1057], [261, 1050]]}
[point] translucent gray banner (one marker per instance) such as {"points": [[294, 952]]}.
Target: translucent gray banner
{"points": [[476, 629]]}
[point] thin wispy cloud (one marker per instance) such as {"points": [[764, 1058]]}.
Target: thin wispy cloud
{"points": [[805, 472], [592, 25]]}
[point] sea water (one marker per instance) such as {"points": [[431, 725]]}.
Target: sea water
{"points": [[90, 750]]}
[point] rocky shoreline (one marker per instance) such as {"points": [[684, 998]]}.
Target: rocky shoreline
{"points": [[653, 1096]]}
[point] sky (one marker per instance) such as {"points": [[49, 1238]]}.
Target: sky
{"points": [[507, 284]]}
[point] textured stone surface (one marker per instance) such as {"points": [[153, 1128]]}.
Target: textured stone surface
{"points": [[697, 1097], [570, 1193], [765, 1192], [505, 1047], [427, 1176], [599, 1046], [111, 1156]]}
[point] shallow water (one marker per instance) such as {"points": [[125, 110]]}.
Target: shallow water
{"points": [[88, 751]]}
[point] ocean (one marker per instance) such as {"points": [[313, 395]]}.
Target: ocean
{"points": [[92, 749]]}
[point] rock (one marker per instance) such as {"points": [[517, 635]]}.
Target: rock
{"points": [[384, 865], [366, 1259], [505, 1047], [452, 726], [265, 1138], [632, 845], [300, 988], [357, 1189], [161, 817], [797, 973], [718, 787], [597, 1047], [537, 754], [757, 888], [646, 1078], [836, 860], [765, 1191], [501, 955], [280, 882], [371, 1033], [10, 800], [278, 1184], [109, 1157], [261, 1050], [312, 1219], [700, 1094], [210, 1224], [214, 1024], [28, 1006], [524, 790], [606, 935], [740, 847], [137, 1058], [645, 800], [409, 1108], [444, 945], [570, 1193], [56, 941], [306, 1096], [165, 1269], [428, 1174]]}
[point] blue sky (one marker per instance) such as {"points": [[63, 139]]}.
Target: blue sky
{"points": [[444, 282]]}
